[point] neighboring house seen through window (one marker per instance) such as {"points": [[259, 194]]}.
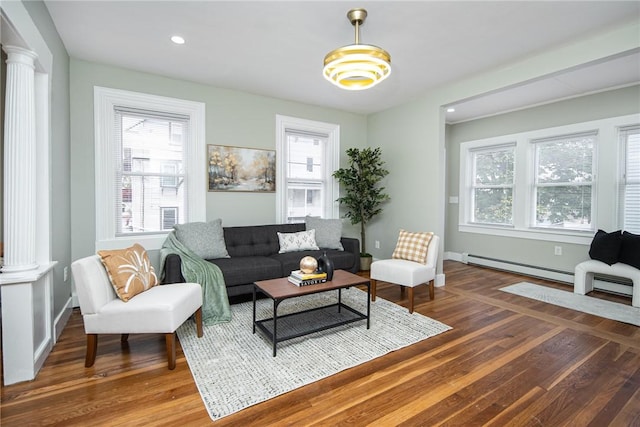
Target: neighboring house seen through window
{"points": [[307, 155]]}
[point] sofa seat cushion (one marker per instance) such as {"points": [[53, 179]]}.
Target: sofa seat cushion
{"points": [[291, 260], [249, 269]]}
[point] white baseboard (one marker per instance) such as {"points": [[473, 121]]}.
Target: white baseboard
{"points": [[535, 271], [61, 319]]}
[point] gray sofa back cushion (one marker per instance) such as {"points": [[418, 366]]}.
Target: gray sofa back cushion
{"points": [[259, 240]]}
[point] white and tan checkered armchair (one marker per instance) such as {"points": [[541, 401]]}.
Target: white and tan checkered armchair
{"points": [[407, 274], [160, 309]]}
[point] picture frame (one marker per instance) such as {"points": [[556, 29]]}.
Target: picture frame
{"points": [[241, 169]]}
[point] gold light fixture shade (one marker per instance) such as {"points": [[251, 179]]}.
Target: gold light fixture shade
{"points": [[357, 66]]}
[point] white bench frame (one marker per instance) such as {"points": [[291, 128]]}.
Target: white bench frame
{"points": [[584, 272]]}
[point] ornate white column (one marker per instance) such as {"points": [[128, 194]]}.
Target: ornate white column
{"points": [[20, 162]]}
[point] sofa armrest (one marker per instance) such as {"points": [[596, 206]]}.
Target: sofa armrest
{"points": [[173, 269], [352, 245]]}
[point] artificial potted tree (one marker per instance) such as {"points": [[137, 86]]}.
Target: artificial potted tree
{"points": [[363, 196]]}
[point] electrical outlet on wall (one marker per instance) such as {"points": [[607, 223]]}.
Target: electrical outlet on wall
{"points": [[557, 250], [377, 244], [65, 273]]}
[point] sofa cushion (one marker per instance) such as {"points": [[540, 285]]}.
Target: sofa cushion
{"points": [[205, 239], [630, 249], [129, 271], [328, 232], [296, 242], [243, 270], [256, 240], [605, 246], [412, 246]]}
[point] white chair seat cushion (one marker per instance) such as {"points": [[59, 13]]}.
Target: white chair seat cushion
{"points": [[402, 272], [161, 309]]}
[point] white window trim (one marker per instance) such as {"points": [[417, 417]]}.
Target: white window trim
{"points": [[105, 100], [523, 190], [332, 163]]}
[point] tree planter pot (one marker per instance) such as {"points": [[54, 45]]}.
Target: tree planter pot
{"points": [[365, 263]]}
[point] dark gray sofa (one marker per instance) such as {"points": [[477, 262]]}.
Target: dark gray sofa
{"points": [[254, 256]]}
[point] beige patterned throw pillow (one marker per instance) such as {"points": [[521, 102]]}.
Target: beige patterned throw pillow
{"points": [[129, 270], [412, 246]]}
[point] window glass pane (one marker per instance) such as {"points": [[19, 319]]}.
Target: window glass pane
{"points": [[494, 167], [150, 176], [493, 206], [303, 200], [304, 157], [566, 160], [564, 207]]}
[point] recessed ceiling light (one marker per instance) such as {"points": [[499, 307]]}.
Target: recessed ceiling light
{"points": [[451, 110], [177, 40]]}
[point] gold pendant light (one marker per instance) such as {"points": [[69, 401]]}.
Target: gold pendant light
{"points": [[357, 66]]}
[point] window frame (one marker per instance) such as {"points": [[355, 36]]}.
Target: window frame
{"points": [[623, 181], [105, 102], [331, 162], [605, 203]]}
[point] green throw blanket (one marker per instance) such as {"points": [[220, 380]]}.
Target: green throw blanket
{"points": [[215, 302]]}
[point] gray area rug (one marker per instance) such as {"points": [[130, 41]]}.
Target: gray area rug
{"points": [[234, 368], [583, 303]]}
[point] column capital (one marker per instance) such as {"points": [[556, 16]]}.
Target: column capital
{"points": [[20, 55]]}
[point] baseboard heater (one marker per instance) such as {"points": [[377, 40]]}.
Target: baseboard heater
{"points": [[608, 284]]}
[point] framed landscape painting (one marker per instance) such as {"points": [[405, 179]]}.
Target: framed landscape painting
{"points": [[241, 169]]}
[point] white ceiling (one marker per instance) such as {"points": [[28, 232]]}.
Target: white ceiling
{"points": [[276, 48]]}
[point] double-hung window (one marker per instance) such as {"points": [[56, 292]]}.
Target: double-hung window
{"points": [[307, 155], [563, 191], [150, 160], [491, 189], [630, 179]]}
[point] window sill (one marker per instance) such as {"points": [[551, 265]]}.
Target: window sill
{"points": [[150, 243], [564, 236]]}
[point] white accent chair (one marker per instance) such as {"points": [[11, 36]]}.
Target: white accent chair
{"points": [[161, 309], [407, 274], [585, 271]]}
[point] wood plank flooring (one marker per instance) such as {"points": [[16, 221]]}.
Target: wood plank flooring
{"points": [[508, 361]]}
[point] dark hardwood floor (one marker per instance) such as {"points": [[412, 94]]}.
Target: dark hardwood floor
{"points": [[509, 361]]}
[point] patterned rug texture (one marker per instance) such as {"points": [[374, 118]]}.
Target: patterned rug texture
{"points": [[583, 303], [234, 368]]}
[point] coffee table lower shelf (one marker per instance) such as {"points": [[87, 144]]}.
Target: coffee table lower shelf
{"points": [[302, 323], [305, 322]]}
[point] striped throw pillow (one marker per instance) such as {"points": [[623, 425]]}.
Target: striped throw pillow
{"points": [[412, 246]]}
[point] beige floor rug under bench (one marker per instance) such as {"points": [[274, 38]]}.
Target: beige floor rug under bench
{"points": [[234, 368], [583, 303]]}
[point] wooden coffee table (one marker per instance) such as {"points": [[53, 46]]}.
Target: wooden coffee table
{"points": [[281, 289]]}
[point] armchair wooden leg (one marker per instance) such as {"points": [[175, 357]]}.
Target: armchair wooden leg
{"points": [[410, 299], [124, 337], [170, 340], [92, 349], [431, 289], [373, 289], [199, 321], [402, 292]]}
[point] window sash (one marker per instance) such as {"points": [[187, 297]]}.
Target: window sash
{"points": [[147, 156], [563, 188], [630, 179], [492, 204]]}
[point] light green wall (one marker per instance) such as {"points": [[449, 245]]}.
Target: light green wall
{"points": [[232, 118], [412, 136], [614, 103], [59, 152]]}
